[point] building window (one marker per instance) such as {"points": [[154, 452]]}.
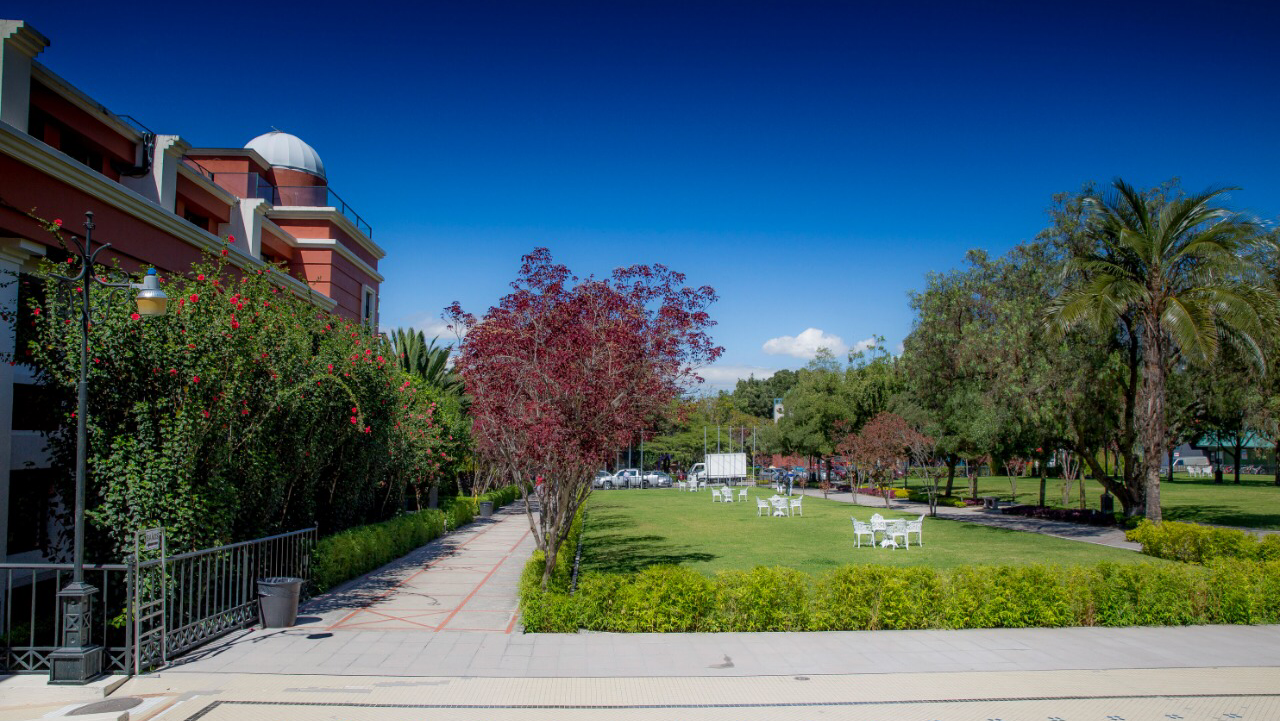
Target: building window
{"points": [[369, 307]]}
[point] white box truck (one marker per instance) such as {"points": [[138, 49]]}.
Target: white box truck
{"points": [[720, 468]]}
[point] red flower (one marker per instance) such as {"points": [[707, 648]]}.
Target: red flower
{"points": [[194, 297], [354, 421], [173, 371], [134, 316], [200, 277], [235, 324], [35, 311], [366, 429], [195, 379], [57, 222], [224, 252], [206, 413], [231, 239]]}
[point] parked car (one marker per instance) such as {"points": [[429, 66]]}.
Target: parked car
{"points": [[601, 477], [657, 479], [627, 478]]}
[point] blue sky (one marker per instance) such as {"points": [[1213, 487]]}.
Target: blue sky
{"points": [[810, 160]]}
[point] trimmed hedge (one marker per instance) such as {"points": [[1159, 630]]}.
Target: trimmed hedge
{"points": [[348, 554], [354, 551], [871, 597], [1194, 543], [923, 497], [555, 609]]}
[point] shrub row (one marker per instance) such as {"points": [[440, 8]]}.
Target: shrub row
{"points": [[923, 497], [462, 510], [348, 554], [1194, 543], [1088, 517], [895, 492], [554, 608], [869, 597], [354, 551]]}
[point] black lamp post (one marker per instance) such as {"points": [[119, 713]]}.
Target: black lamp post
{"points": [[78, 660]]}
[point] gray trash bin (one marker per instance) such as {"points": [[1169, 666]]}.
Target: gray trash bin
{"points": [[486, 509], [1106, 504], [278, 601]]}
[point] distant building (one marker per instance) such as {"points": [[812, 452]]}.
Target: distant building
{"points": [[778, 410], [159, 202]]}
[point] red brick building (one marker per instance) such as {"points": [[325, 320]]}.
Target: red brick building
{"points": [[159, 202]]}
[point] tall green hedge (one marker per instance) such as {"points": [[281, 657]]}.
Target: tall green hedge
{"points": [[1194, 543], [348, 554], [871, 597]]}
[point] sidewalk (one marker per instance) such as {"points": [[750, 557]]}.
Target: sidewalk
{"points": [[1134, 695], [1102, 536]]}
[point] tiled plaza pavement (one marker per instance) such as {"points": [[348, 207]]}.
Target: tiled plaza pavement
{"points": [[469, 585], [1247, 694]]}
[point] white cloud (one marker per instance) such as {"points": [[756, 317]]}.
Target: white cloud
{"points": [[431, 327], [864, 344], [727, 376], [806, 344]]}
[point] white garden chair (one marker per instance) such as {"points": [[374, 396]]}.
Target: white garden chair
{"points": [[916, 527], [762, 507], [715, 495], [742, 495], [795, 507], [728, 494], [895, 530], [861, 529], [779, 506], [878, 525]]}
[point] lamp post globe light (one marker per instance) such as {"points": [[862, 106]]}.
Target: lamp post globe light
{"points": [[79, 660]]}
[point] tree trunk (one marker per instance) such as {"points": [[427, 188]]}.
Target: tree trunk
{"points": [[1276, 462], [952, 460], [1170, 476], [1131, 500], [1153, 421], [1239, 456], [1043, 482]]}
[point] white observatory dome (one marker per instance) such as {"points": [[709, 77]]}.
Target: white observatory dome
{"points": [[283, 150]]}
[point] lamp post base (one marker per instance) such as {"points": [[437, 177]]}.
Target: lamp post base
{"points": [[78, 660], [75, 665]]}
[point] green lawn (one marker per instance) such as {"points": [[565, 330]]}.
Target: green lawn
{"points": [[628, 530], [1255, 503]]}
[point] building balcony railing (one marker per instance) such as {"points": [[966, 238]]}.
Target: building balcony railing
{"points": [[319, 196], [253, 185]]}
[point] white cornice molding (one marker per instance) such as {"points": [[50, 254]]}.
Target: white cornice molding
{"points": [[23, 37], [58, 166], [76, 97], [19, 250], [340, 249], [173, 145], [217, 190], [302, 212]]}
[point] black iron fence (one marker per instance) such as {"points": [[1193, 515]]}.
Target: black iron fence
{"points": [[147, 611]]}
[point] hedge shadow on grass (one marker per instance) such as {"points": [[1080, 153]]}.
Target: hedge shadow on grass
{"points": [[1223, 516], [626, 553]]}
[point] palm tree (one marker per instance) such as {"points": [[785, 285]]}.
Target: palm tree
{"points": [[425, 360], [1177, 273]]}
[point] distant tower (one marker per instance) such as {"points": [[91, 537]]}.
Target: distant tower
{"points": [[778, 411]]}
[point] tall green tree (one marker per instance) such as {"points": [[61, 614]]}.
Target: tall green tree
{"points": [[1175, 271]]}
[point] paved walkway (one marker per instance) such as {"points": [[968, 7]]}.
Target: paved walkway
{"points": [[466, 581], [1112, 537], [1249, 694]]}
